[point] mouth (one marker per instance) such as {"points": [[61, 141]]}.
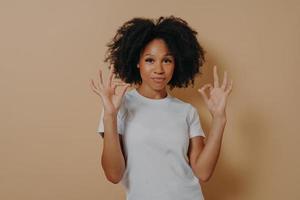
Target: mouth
{"points": [[158, 80]]}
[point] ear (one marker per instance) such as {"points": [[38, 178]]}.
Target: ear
{"points": [[138, 66]]}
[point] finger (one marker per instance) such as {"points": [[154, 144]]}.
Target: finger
{"points": [[224, 84], [94, 88], [229, 89], [114, 87], [119, 84], [216, 78], [100, 75], [101, 79], [111, 75], [202, 92], [93, 84], [116, 81], [210, 87], [124, 88]]}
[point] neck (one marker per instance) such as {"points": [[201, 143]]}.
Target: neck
{"points": [[151, 93]]}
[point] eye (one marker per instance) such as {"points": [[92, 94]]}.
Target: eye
{"points": [[168, 60], [149, 60]]}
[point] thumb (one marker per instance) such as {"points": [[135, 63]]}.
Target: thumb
{"points": [[124, 89], [202, 92]]}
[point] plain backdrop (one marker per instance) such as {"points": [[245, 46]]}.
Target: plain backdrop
{"points": [[49, 50]]}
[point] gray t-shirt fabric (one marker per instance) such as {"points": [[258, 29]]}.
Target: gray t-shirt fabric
{"points": [[156, 135]]}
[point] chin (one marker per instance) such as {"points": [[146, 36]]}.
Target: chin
{"points": [[156, 87]]}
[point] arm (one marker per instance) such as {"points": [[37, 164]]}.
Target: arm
{"points": [[112, 159], [205, 162]]}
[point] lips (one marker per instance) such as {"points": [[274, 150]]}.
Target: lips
{"points": [[156, 79]]}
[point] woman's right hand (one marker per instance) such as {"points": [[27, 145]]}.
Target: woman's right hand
{"points": [[111, 101]]}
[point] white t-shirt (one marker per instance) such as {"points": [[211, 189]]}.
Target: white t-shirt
{"points": [[156, 135]]}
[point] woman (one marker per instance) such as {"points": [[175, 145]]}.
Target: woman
{"points": [[153, 142]]}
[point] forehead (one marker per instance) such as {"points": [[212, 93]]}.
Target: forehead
{"points": [[156, 47]]}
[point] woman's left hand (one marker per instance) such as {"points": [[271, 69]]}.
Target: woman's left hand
{"points": [[216, 103]]}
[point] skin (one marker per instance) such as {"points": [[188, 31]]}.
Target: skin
{"points": [[112, 160], [156, 61], [204, 157]]}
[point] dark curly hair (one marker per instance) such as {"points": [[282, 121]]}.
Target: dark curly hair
{"points": [[131, 38]]}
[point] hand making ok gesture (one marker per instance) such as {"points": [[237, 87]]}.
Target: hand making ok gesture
{"points": [[216, 103], [111, 101]]}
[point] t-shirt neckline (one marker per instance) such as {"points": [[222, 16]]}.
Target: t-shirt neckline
{"points": [[165, 99]]}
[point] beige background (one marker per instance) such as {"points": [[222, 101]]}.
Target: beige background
{"points": [[49, 49]]}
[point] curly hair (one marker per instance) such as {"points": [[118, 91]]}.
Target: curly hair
{"points": [[131, 38]]}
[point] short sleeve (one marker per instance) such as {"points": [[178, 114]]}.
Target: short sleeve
{"points": [[120, 122], [194, 124]]}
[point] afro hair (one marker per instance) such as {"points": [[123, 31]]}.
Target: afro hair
{"points": [[132, 37]]}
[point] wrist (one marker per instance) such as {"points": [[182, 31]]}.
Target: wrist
{"points": [[221, 119], [109, 114]]}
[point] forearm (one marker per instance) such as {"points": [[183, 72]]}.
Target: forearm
{"points": [[207, 159], [112, 160]]}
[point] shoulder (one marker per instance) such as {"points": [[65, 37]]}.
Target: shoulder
{"points": [[124, 104], [127, 101], [183, 105], [128, 95], [189, 110]]}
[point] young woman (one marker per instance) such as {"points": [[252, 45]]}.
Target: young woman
{"points": [[153, 142]]}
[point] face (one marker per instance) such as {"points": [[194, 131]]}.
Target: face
{"points": [[156, 65]]}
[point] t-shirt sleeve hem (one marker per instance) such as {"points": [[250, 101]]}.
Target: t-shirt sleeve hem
{"points": [[195, 128], [101, 133], [200, 133]]}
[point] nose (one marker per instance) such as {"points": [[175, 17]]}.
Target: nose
{"points": [[159, 69]]}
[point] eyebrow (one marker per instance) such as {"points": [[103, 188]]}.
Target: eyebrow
{"points": [[168, 54]]}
